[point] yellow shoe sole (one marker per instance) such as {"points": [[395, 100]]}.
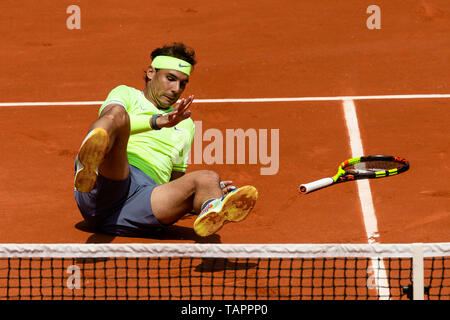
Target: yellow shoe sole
{"points": [[91, 154], [234, 208]]}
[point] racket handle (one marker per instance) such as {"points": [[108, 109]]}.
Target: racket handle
{"points": [[308, 187]]}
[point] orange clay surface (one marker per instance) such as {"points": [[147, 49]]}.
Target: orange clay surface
{"points": [[245, 49]]}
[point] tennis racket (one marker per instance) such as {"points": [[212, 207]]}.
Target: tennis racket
{"points": [[369, 167]]}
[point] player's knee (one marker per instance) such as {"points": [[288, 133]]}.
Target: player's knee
{"points": [[208, 177], [118, 116]]}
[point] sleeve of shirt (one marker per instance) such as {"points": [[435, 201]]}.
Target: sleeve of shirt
{"points": [[119, 95], [181, 162]]}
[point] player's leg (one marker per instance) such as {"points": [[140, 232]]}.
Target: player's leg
{"points": [[104, 149], [200, 192], [170, 201], [116, 121]]}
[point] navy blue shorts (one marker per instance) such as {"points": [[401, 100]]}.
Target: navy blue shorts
{"points": [[122, 207]]}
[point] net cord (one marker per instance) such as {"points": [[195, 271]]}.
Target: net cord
{"points": [[137, 250]]}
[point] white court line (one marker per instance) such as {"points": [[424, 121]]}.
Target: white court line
{"points": [[365, 198], [364, 191], [39, 104], [337, 98], [295, 99]]}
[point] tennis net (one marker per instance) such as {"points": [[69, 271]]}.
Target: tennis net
{"points": [[225, 271]]}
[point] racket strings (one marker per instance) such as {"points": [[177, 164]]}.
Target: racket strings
{"points": [[374, 165]]}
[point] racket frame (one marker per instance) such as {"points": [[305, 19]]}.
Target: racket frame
{"points": [[342, 175]]}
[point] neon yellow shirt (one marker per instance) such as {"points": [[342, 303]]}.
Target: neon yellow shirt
{"points": [[155, 152]]}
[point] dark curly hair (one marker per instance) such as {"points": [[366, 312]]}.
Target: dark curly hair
{"points": [[176, 50]]}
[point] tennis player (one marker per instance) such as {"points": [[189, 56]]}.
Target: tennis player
{"points": [[130, 171]]}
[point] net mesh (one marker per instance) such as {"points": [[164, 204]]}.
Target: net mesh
{"points": [[225, 272]]}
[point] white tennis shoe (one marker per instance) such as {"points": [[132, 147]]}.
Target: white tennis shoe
{"points": [[232, 207]]}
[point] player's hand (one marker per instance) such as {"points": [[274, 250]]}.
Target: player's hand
{"points": [[181, 112], [227, 186]]}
